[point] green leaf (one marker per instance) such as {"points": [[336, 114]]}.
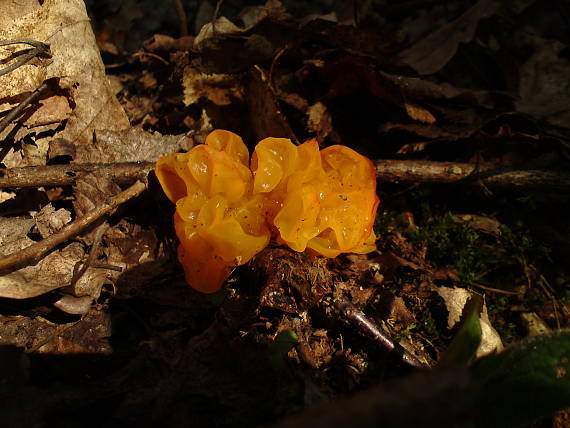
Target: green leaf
{"points": [[464, 345], [525, 382]]}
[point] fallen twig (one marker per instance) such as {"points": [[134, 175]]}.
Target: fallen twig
{"points": [[465, 173], [33, 253], [391, 171], [498, 290], [66, 175], [80, 268], [20, 107], [39, 49]]}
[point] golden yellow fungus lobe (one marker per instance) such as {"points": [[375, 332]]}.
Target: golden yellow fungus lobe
{"points": [[324, 202], [217, 222]]}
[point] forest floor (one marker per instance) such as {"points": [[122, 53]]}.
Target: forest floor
{"points": [[463, 107]]}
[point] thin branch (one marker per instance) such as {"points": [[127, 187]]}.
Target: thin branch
{"points": [[24, 41], [34, 253], [78, 271], [15, 112], [464, 173], [390, 171], [39, 49], [497, 290], [66, 175]]}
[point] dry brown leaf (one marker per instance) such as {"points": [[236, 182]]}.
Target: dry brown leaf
{"points": [[217, 88], [422, 89], [254, 14], [544, 82], [220, 26], [264, 110], [533, 324], [130, 145], [161, 43], [91, 336], [483, 224], [400, 312], [419, 113], [91, 190], [447, 132], [52, 110], [74, 305], [53, 271], [76, 68], [430, 54], [48, 220]]}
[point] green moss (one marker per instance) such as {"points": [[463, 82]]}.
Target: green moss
{"points": [[474, 254], [431, 316], [385, 222], [519, 244], [499, 261], [454, 244]]}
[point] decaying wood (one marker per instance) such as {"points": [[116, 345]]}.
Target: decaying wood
{"points": [[66, 175], [391, 171], [36, 251], [394, 171]]}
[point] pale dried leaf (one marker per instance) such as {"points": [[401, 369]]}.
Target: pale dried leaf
{"points": [[52, 272], [49, 221], [217, 88], [90, 336], [91, 282], [6, 196], [254, 14], [222, 25], [52, 110], [76, 66], [74, 305], [130, 145], [455, 300]]}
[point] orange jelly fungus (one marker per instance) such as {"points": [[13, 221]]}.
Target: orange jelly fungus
{"points": [[324, 201]]}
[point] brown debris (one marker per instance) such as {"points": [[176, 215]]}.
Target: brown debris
{"points": [[33, 253], [264, 111], [431, 53], [100, 326]]}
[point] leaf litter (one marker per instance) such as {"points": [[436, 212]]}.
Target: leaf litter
{"points": [[111, 303]]}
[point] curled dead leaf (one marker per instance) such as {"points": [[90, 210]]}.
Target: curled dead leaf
{"points": [[455, 300]]}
